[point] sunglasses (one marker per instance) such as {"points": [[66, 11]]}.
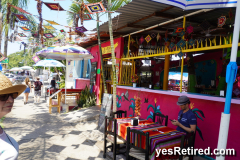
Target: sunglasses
{"points": [[4, 97]]}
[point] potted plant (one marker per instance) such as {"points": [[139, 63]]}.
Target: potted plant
{"points": [[134, 80], [87, 98]]}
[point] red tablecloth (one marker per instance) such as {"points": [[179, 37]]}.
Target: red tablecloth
{"points": [[160, 136]]}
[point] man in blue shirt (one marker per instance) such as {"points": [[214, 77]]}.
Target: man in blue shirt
{"points": [[187, 120]]}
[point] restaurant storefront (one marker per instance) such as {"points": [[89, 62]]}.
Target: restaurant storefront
{"points": [[203, 55]]}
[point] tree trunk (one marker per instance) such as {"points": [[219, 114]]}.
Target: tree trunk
{"points": [[5, 46], [101, 57], [191, 73], [113, 58], [1, 27]]}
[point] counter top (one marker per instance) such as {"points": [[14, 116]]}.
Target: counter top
{"points": [[86, 79], [176, 93]]}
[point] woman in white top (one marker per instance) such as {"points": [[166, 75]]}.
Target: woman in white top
{"points": [[8, 92]]}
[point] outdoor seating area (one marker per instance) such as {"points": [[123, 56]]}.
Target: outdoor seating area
{"points": [[159, 78], [142, 140]]}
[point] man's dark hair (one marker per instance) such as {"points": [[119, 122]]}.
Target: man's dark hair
{"points": [[53, 78], [38, 78]]}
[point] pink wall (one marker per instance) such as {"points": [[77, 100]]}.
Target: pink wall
{"points": [[215, 55], [95, 52], [81, 83], [166, 104]]}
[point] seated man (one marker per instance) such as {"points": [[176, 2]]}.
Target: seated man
{"points": [[187, 120], [53, 83]]}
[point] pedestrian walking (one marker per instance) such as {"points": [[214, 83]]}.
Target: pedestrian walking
{"points": [[8, 146], [37, 90], [27, 90]]}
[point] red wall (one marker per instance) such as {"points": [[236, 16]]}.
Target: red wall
{"points": [[209, 126], [81, 83], [95, 52]]}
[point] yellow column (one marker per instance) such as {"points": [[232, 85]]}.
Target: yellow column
{"points": [[128, 46], [184, 26], [166, 71], [120, 74]]}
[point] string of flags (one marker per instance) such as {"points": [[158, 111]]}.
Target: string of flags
{"points": [[24, 21]]}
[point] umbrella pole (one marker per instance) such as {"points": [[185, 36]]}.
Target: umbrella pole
{"points": [[230, 77], [49, 75], [66, 80]]}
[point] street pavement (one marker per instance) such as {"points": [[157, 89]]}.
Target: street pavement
{"points": [[65, 136]]}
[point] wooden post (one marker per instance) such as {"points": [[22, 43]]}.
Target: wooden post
{"points": [[166, 70], [184, 25]]}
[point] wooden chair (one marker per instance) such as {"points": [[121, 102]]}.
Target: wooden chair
{"points": [[187, 141], [58, 104], [112, 137], [135, 149], [159, 118], [119, 113]]}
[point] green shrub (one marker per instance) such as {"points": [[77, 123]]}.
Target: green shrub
{"points": [[62, 83], [87, 99]]}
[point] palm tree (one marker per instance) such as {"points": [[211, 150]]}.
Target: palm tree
{"points": [[112, 7], [5, 25], [76, 8]]}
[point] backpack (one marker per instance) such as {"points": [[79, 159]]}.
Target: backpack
{"points": [[38, 86]]}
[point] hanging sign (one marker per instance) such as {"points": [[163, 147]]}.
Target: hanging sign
{"points": [[107, 49], [70, 73]]}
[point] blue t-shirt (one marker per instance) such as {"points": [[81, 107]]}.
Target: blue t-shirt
{"points": [[187, 119]]}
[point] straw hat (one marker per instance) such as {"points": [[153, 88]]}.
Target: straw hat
{"points": [[6, 86]]}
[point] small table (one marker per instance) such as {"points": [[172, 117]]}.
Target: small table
{"points": [[159, 136]]}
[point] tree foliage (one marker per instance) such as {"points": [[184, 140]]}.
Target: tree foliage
{"points": [[18, 59]]}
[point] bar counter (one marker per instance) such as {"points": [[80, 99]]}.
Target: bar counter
{"points": [[207, 109], [177, 93]]}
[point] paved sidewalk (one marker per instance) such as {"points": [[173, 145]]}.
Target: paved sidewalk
{"points": [[41, 135]]}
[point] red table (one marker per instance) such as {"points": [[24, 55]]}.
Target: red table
{"points": [[160, 136]]}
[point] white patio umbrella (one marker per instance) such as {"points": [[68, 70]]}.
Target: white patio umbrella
{"points": [[32, 70], [16, 69], [68, 52], [26, 67], [232, 66], [49, 63]]}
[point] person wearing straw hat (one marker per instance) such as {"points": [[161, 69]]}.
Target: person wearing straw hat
{"points": [[8, 146], [187, 120]]}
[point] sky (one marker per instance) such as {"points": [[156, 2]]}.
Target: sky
{"points": [[57, 16], [177, 75]]}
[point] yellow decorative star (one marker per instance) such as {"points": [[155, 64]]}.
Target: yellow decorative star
{"points": [[191, 105]]}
